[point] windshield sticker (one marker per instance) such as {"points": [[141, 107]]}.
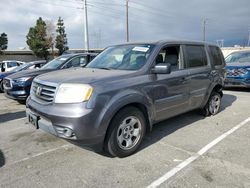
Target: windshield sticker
{"points": [[140, 49], [63, 59]]}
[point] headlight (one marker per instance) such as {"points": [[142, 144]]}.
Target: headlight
{"points": [[73, 93], [23, 79]]}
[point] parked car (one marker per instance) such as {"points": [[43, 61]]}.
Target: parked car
{"points": [[17, 86], [9, 65], [125, 90], [26, 66], [238, 69]]}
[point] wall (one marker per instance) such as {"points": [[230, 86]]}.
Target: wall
{"points": [[27, 55]]}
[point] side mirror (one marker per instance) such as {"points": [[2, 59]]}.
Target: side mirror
{"points": [[162, 68]]}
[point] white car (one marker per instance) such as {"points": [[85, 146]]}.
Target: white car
{"points": [[9, 65]]}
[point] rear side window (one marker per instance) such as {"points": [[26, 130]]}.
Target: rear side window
{"points": [[12, 64], [196, 56], [215, 55]]}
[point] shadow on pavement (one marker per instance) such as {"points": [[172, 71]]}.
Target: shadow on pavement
{"points": [[239, 89], [2, 159], [12, 116], [167, 127]]}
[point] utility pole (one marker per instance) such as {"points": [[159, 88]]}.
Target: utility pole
{"points": [[127, 26], [248, 43], [204, 22], [86, 30]]}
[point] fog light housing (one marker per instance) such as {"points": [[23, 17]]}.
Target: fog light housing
{"points": [[68, 132]]}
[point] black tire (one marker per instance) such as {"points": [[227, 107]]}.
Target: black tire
{"points": [[1, 87], [213, 104], [115, 147], [21, 101]]}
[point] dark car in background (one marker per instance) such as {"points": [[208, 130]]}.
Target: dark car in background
{"points": [[125, 90], [17, 86], [26, 66], [238, 69]]}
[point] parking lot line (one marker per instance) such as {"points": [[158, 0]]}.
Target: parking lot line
{"points": [[188, 161], [39, 154]]}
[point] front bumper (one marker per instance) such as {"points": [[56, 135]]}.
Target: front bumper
{"points": [[59, 119], [19, 93], [237, 82]]}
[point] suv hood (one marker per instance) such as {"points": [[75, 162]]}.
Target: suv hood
{"points": [[83, 75], [238, 64], [29, 73]]}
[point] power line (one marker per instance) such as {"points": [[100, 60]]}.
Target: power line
{"points": [[54, 4]]}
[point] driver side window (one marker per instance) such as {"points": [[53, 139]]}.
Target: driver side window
{"points": [[171, 55], [73, 63]]}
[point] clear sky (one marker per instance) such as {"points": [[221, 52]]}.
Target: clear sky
{"points": [[148, 20]]}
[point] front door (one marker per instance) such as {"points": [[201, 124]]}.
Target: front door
{"points": [[170, 91]]}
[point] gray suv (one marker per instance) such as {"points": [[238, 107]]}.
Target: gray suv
{"points": [[125, 90]]}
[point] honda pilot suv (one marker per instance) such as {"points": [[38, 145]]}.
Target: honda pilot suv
{"points": [[125, 90]]}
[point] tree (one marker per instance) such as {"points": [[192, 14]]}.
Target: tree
{"points": [[51, 36], [3, 42], [37, 39], [61, 38]]}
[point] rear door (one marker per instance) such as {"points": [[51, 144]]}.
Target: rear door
{"points": [[196, 62]]}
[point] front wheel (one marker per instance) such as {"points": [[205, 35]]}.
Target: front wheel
{"points": [[126, 132], [213, 105], [1, 87]]}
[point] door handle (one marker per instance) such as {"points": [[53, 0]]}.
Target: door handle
{"points": [[184, 79]]}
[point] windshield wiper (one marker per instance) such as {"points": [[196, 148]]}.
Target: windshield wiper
{"points": [[105, 68]]}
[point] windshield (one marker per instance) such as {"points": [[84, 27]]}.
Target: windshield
{"points": [[55, 63], [238, 57], [125, 57], [21, 67]]}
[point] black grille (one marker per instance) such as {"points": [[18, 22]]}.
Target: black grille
{"points": [[7, 83], [236, 72], [42, 92]]}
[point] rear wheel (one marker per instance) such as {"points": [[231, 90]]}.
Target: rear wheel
{"points": [[126, 132], [213, 105]]}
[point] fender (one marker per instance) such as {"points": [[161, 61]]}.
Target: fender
{"points": [[120, 100], [209, 91]]}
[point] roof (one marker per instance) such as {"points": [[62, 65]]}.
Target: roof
{"points": [[170, 41], [37, 62]]}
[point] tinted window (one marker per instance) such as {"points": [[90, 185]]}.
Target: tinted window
{"points": [[56, 63], [238, 57], [92, 57], [75, 62], [215, 55], [123, 57], [196, 56], [83, 61], [170, 55], [12, 64]]}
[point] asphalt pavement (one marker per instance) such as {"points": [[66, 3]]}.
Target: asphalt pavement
{"points": [[33, 158]]}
